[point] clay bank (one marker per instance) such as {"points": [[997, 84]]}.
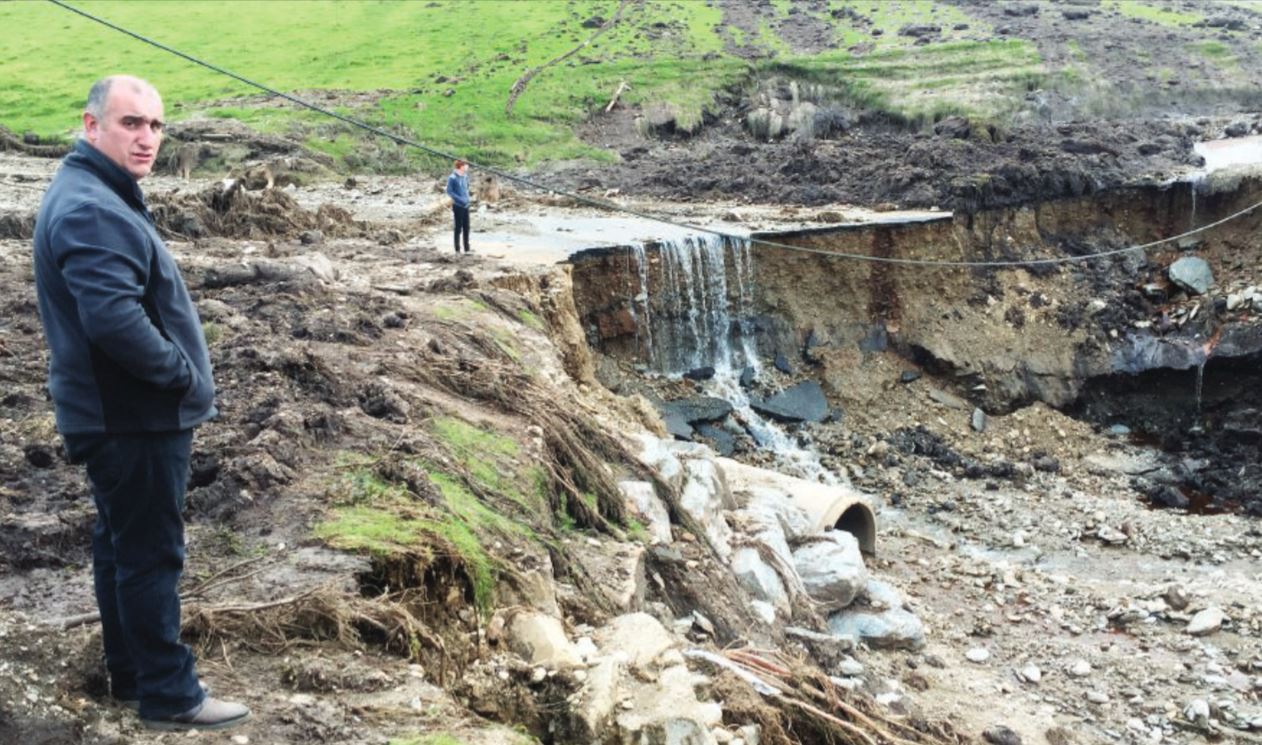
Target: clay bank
{"points": [[1160, 342]]}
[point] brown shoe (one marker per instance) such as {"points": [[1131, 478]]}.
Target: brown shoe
{"points": [[210, 714]]}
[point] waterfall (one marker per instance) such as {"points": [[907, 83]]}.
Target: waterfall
{"points": [[702, 295]]}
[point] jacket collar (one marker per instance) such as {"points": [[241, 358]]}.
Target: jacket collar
{"points": [[87, 157]]}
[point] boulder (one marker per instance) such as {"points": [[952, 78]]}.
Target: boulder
{"points": [[724, 441], [804, 402], [891, 629], [540, 640], [831, 569], [705, 496], [638, 637], [1193, 274], [643, 500], [668, 712], [698, 409], [758, 578]]}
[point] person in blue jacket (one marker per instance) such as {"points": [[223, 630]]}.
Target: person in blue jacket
{"points": [[458, 190], [130, 377]]}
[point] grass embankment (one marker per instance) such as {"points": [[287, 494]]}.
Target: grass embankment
{"points": [[982, 80], [437, 71]]}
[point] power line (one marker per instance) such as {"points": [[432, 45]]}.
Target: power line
{"points": [[613, 207]]}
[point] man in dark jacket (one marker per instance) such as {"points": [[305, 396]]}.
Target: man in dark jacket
{"points": [[458, 190], [130, 378]]}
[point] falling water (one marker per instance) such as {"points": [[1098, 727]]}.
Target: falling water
{"points": [[703, 317]]}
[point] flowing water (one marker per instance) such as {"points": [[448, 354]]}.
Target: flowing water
{"points": [[695, 311]]}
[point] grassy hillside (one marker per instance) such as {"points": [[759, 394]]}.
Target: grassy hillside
{"points": [[409, 55]]}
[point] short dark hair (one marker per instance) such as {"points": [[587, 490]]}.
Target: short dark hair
{"points": [[461, 163]]}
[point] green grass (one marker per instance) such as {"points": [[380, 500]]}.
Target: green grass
{"points": [[399, 48], [1155, 12], [981, 80], [530, 319], [889, 17]]}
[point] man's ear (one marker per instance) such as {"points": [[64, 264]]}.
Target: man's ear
{"points": [[90, 126]]}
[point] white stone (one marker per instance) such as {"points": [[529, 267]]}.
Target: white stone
{"points": [[1197, 711], [766, 612], [978, 654], [794, 521], [850, 667], [758, 578], [1031, 674], [586, 648], [240, 740], [704, 497], [831, 569], [639, 636], [1206, 622], [600, 693], [1097, 697], [643, 499], [540, 640], [891, 629], [1080, 669]]}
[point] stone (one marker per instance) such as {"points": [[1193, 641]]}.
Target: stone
{"points": [[1001, 735], [978, 421], [766, 612], [1206, 622], [891, 629], [1030, 674], [667, 712], [1097, 697], [600, 694], [1080, 669], [700, 373], [1192, 273], [909, 376], [677, 425], [1197, 711], [1111, 535], [698, 408], [804, 402], [1076, 15], [831, 569], [639, 637], [621, 567], [948, 400], [758, 578], [705, 496], [919, 30], [311, 237], [978, 655], [540, 640], [318, 265], [1175, 597], [748, 376], [642, 498], [782, 364], [724, 442]]}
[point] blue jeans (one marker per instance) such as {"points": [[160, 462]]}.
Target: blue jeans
{"points": [[138, 483], [460, 216]]}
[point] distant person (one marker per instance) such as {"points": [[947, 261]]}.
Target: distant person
{"points": [[458, 190], [130, 378]]}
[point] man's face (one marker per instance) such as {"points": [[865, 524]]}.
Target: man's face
{"points": [[462, 170], [130, 130]]}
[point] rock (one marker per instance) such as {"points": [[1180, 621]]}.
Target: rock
{"points": [[831, 569], [621, 569], [804, 402], [954, 127], [1206, 622], [1001, 735], [1193, 274], [748, 375], [1080, 669], [1237, 129], [1111, 535], [1076, 15], [1030, 674], [311, 237], [668, 712], [318, 264], [782, 364], [643, 499], [677, 425], [705, 496], [600, 693], [919, 30], [1175, 597], [948, 400], [758, 578], [639, 637], [891, 629], [540, 640], [978, 655], [724, 441], [698, 409], [837, 645], [978, 421], [1097, 697], [1197, 711], [909, 376], [700, 373]]}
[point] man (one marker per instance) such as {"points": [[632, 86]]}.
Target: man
{"points": [[458, 190], [130, 378]]}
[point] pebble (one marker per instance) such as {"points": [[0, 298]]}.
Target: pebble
{"points": [[978, 654], [1080, 669], [240, 740], [1001, 735], [1097, 697], [1197, 711], [1206, 622], [850, 667], [1031, 674]]}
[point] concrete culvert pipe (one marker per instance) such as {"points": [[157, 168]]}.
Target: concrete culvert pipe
{"points": [[828, 506]]}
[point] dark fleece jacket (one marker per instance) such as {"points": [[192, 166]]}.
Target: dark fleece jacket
{"points": [[127, 350]]}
